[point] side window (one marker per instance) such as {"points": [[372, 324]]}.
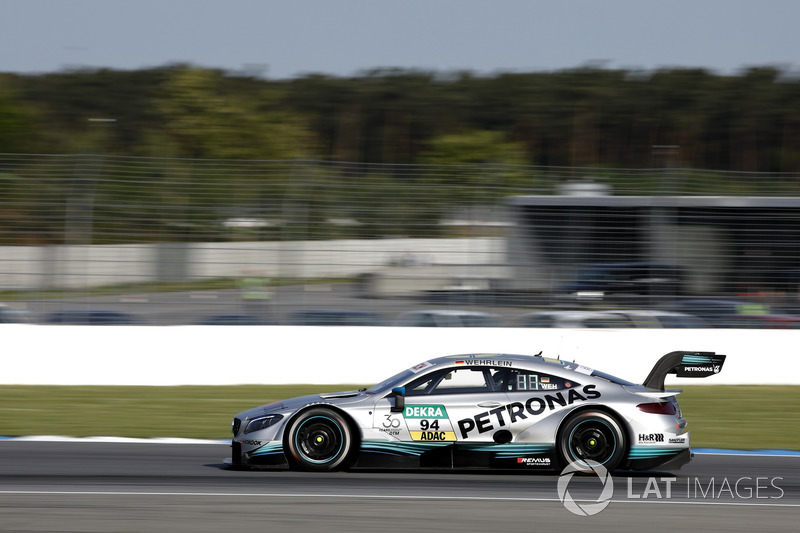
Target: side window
{"points": [[460, 380], [536, 381], [422, 385]]}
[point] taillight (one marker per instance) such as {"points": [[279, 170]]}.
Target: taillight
{"points": [[658, 408]]}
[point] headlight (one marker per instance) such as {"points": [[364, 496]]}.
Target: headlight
{"points": [[261, 423]]}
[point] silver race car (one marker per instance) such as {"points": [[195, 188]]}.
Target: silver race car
{"points": [[480, 410]]}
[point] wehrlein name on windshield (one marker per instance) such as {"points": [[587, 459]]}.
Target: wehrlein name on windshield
{"points": [[484, 362]]}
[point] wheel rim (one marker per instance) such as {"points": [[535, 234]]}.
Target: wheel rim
{"points": [[319, 439], [592, 440]]}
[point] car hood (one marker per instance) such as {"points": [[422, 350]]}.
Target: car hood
{"points": [[292, 404]]}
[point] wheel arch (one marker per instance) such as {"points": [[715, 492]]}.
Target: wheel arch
{"points": [[623, 424], [355, 430]]}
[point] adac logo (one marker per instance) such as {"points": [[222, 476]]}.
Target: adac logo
{"points": [[591, 508]]}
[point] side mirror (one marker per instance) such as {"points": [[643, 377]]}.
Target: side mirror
{"points": [[399, 399]]}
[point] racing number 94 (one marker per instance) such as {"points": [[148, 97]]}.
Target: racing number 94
{"points": [[429, 425]]}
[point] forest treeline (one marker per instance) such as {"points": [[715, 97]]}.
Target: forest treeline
{"points": [[582, 117]]}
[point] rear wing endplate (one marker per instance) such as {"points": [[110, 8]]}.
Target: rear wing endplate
{"points": [[684, 365]]}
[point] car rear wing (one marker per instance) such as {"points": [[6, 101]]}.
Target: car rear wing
{"points": [[684, 365]]}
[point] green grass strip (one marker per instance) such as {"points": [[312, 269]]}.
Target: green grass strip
{"points": [[721, 416], [743, 417], [203, 412]]}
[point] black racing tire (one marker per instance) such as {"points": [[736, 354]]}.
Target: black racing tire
{"points": [[595, 436], [319, 439]]}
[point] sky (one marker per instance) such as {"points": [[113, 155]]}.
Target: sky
{"points": [[292, 38]]}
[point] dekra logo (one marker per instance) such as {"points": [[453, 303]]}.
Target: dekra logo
{"points": [[425, 411]]}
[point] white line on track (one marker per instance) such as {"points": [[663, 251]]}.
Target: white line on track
{"points": [[371, 497], [167, 440]]}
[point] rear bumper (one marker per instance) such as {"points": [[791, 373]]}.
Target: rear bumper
{"points": [[652, 458]]}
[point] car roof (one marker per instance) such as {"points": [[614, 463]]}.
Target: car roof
{"points": [[358, 312], [631, 264], [489, 358], [447, 312], [648, 312], [335, 317], [91, 316], [772, 316], [714, 301], [232, 319], [565, 313]]}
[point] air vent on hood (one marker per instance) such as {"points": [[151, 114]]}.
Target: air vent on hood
{"points": [[331, 396]]}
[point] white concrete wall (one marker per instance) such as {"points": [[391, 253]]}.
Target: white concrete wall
{"points": [[75, 266], [223, 355], [338, 258], [39, 267]]}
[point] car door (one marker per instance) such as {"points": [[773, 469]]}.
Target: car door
{"points": [[442, 406], [533, 396]]}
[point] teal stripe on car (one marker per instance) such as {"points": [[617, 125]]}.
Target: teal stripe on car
{"points": [[647, 452], [401, 448], [269, 449]]}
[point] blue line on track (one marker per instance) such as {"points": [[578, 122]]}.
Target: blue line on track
{"points": [[720, 451]]}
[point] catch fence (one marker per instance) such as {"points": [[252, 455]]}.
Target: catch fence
{"points": [[177, 241]]}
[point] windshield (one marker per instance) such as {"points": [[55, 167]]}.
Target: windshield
{"points": [[391, 382]]}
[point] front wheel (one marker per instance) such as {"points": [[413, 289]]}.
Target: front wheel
{"points": [[319, 439], [592, 436]]}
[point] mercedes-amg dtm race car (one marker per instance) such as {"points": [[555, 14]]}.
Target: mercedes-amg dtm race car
{"points": [[487, 410]]}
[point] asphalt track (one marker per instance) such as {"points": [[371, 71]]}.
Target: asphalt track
{"points": [[120, 487]]}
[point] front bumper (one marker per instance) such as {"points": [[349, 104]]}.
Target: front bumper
{"points": [[268, 455]]}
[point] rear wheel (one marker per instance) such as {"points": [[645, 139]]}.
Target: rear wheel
{"points": [[319, 439], [592, 436]]}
